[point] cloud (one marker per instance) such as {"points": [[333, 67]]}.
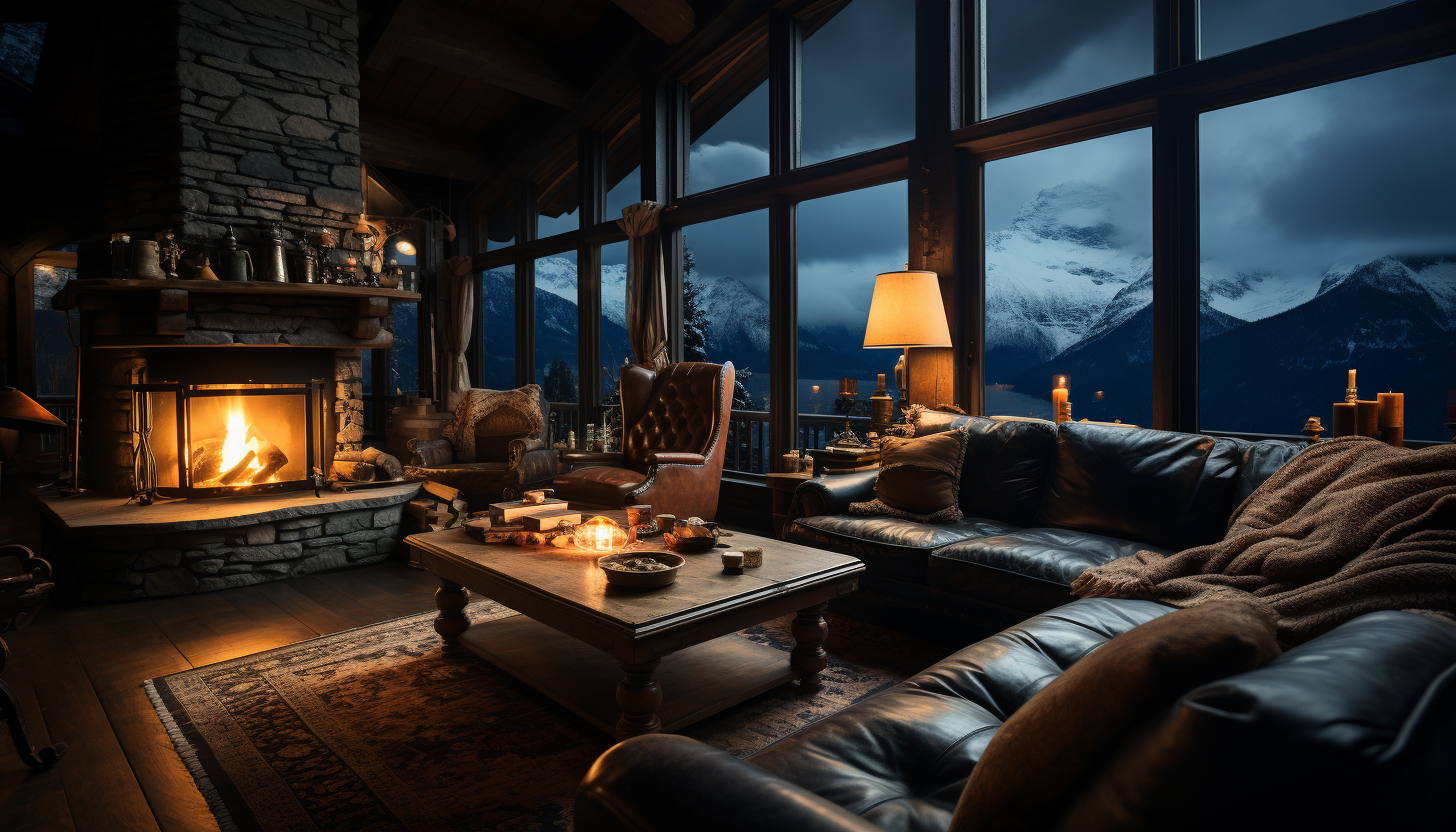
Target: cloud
{"points": [[734, 246], [859, 80], [715, 165], [1040, 52]]}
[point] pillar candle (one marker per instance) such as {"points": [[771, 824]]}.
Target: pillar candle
{"points": [[1392, 418], [1367, 418], [1351, 382], [1343, 423], [1059, 398]]}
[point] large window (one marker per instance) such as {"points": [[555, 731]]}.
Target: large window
{"points": [[404, 355], [498, 305], [548, 226], [557, 327], [616, 350], [624, 193], [725, 297], [844, 241], [1045, 50], [734, 149], [55, 358], [1226, 25], [858, 80], [1069, 280], [1329, 244]]}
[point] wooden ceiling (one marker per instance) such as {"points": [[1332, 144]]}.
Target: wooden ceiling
{"points": [[495, 91]]}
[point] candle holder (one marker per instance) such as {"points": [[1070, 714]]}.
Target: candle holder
{"points": [[1350, 395], [1312, 430], [601, 535]]}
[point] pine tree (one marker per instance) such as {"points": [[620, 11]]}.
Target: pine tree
{"points": [[560, 382]]}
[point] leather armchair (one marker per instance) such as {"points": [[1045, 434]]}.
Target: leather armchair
{"points": [[674, 438]]}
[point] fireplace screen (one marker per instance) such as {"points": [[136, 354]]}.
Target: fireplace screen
{"points": [[197, 440]]}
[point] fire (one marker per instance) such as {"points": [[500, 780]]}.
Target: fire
{"points": [[236, 444]]}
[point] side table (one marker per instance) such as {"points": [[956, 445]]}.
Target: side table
{"points": [[782, 487]]}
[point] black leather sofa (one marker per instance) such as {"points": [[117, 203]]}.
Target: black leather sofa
{"points": [[1041, 504], [1355, 729]]}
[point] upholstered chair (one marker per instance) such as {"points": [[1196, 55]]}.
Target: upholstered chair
{"points": [[494, 448], [674, 435]]}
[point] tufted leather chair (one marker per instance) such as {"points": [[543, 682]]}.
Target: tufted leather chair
{"points": [[674, 437]]}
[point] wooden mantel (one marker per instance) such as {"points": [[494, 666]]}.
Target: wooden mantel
{"points": [[165, 304]]}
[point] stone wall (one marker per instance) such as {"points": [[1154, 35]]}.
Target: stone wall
{"points": [[121, 566], [251, 114], [349, 401]]}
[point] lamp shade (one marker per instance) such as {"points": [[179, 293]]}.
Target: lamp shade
{"points": [[906, 311], [21, 412]]}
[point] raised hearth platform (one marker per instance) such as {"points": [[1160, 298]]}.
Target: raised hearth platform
{"points": [[106, 550]]}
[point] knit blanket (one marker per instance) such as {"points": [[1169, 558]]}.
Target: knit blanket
{"points": [[476, 404], [1348, 527]]}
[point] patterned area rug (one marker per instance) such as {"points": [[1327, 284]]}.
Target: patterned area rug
{"points": [[381, 728]]}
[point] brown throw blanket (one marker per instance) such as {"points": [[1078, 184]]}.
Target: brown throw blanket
{"points": [[1348, 527]]}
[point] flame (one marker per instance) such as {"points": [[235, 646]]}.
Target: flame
{"points": [[237, 443], [603, 538]]}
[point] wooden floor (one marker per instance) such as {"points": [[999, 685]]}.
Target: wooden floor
{"points": [[79, 671]]}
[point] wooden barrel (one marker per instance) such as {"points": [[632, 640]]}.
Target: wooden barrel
{"points": [[416, 420]]}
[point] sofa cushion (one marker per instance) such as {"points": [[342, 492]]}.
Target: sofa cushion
{"points": [[889, 546], [1054, 555], [928, 422], [1355, 712], [901, 758], [1170, 489], [602, 486], [1006, 468], [1072, 727], [919, 478], [1258, 461]]}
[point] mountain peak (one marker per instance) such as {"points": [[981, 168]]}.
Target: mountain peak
{"points": [[1079, 212]]}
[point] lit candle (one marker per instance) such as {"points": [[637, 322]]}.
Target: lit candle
{"points": [[1059, 398], [815, 388], [1351, 382], [604, 539]]}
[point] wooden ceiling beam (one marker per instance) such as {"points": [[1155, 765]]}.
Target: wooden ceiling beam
{"points": [[391, 143], [461, 44], [670, 20]]}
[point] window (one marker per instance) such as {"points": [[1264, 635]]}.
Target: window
{"points": [[616, 350], [1069, 280], [844, 241], [859, 80], [1045, 50], [404, 355], [55, 359], [549, 226], [624, 193], [725, 297], [20, 46], [734, 149], [498, 305], [557, 327], [1328, 243], [1226, 25]]}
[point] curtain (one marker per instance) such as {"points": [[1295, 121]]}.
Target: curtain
{"points": [[646, 284], [458, 274]]}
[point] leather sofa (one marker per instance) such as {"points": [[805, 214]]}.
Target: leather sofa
{"points": [[1041, 504], [1355, 729]]}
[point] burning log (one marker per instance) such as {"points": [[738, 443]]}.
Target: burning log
{"points": [[237, 470], [270, 457], [208, 462]]}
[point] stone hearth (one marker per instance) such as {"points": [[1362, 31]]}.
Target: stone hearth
{"points": [[114, 551]]}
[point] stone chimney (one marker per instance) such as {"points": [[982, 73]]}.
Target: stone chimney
{"points": [[232, 112]]}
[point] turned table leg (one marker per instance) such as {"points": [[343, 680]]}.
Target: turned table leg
{"points": [[451, 599], [808, 657], [639, 696]]}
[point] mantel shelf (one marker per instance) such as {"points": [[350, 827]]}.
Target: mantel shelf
{"points": [[69, 296]]}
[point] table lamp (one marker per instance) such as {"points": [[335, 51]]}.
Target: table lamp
{"points": [[20, 412], [906, 311]]}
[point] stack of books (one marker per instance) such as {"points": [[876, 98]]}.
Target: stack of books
{"points": [[845, 460], [514, 511]]}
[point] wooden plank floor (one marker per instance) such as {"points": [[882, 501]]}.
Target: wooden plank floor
{"points": [[79, 671]]}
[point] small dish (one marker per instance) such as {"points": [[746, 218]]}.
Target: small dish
{"points": [[660, 577], [689, 545]]}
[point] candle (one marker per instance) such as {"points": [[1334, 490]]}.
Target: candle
{"points": [[603, 539], [1343, 423], [1351, 382], [1059, 398], [815, 388], [1392, 418], [1367, 418]]}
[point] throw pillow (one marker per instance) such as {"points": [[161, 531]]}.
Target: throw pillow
{"points": [[919, 478], [1065, 734]]}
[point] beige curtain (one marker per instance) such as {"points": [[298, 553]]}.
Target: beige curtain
{"points": [[646, 284], [458, 274]]}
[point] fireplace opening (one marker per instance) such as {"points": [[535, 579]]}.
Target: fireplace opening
{"points": [[200, 440]]}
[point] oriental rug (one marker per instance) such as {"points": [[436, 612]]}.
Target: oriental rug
{"points": [[383, 728]]}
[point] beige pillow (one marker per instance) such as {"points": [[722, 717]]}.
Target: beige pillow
{"points": [[919, 478], [1063, 736]]}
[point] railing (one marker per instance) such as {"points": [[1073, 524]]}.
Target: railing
{"points": [[565, 419], [748, 437]]}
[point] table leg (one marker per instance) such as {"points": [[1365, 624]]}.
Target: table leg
{"points": [[808, 657], [451, 599], [639, 696]]}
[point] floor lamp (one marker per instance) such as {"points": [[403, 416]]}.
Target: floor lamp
{"points": [[906, 311], [20, 412]]}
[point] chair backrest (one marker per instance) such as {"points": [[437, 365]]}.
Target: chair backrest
{"points": [[681, 409]]}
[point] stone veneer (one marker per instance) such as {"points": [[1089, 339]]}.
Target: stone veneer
{"points": [[233, 111]]}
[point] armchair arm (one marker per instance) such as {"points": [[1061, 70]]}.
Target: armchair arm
{"points": [[831, 494], [667, 782], [429, 453], [520, 447], [674, 458]]}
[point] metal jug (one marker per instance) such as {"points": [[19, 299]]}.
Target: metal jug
{"points": [[232, 263], [273, 265], [302, 267], [145, 263]]}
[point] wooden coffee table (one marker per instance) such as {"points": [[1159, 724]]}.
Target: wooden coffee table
{"points": [[599, 649]]}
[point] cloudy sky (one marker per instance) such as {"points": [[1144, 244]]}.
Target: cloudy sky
{"points": [[1349, 171]]}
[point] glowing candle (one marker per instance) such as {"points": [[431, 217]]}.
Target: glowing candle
{"points": [[1059, 398], [603, 539]]}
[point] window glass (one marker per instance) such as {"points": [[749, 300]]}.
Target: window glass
{"points": [[1328, 244], [1069, 280], [734, 149], [498, 305], [547, 226], [55, 359], [557, 327], [844, 241], [859, 80], [1046, 50], [1226, 25], [624, 193], [616, 350], [404, 355], [500, 228], [20, 45], [725, 277]]}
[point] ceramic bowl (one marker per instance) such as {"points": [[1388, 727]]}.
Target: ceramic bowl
{"points": [[661, 577], [689, 545]]}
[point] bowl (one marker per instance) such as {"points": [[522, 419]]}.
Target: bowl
{"points": [[661, 577], [689, 545]]}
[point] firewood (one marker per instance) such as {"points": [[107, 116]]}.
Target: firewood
{"points": [[444, 492], [270, 458], [237, 470]]}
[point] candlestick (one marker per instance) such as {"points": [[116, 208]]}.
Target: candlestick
{"points": [[1343, 423]]}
